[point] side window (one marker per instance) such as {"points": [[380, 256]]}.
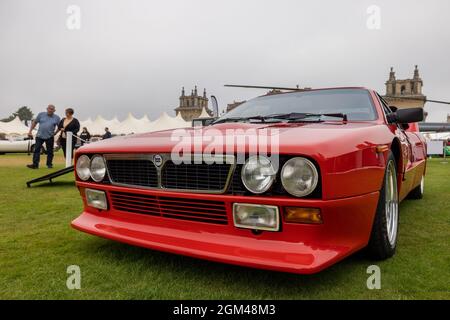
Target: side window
{"points": [[386, 109]]}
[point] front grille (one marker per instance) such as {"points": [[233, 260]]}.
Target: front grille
{"points": [[202, 176], [174, 208], [236, 185], [136, 172], [139, 170]]}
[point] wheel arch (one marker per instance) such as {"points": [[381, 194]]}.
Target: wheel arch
{"points": [[397, 152]]}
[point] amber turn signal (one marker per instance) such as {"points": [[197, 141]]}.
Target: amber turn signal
{"points": [[302, 215], [382, 148]]}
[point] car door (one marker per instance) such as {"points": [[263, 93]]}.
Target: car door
{"points": [[14, 145], [399, 131], [5, 146], [407, 149], [23, 145], [418, 143]]}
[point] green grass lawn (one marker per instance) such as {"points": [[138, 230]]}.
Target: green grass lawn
{"points": [[37, 245]]}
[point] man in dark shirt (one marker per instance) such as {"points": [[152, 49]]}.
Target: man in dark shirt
{"points": [[48, 122], [107, 134]]}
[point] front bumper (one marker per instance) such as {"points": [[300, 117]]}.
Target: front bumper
{"points": [[297, 248]]}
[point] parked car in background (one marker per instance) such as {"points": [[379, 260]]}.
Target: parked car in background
{"points": [[447, 149], [17, 145]]}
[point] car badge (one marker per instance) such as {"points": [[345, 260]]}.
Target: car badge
{"points": [[157, 160]]}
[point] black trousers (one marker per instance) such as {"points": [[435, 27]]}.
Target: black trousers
{"points": [[49, 143], [63, 142]]}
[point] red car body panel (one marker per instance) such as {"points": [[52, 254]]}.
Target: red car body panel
{"points": [[346, 228], [352, 167]]}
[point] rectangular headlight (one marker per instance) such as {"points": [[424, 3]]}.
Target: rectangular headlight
{"points": [[96, 199], [256, 216]]}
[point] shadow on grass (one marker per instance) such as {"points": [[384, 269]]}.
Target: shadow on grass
{"points": [[255, 280], [54, 184]]}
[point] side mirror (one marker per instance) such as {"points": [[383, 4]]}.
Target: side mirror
{"points": [[393, 108], [404, 116]]}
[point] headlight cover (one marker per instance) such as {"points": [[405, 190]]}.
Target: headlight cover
{"points": [[256, 216], [98, 168], [82, 168], [96, 199], [299, 176], [258, 174]]}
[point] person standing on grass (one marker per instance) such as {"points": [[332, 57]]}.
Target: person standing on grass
{"points": [[68, 124], [47, 121]]}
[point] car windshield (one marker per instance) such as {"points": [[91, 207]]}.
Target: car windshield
{"points": [[355, 104]]}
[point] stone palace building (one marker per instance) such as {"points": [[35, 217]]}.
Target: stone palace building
{"points": [[405, 93], [191, 106]]}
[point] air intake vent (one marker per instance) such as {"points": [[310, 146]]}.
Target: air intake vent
{"points": [[174, 208]]}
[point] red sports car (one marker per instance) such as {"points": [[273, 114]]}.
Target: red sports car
{"points": [[337, 163]]}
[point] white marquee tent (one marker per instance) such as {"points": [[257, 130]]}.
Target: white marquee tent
{"points": [[87, 123], [97, 127], [129, 125], [133, 125], [2, 127], [204, 114], [145, 118], [13, 127], [165, 122]]}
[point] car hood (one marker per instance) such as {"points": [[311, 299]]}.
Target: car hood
{"points": [[321, 139]]}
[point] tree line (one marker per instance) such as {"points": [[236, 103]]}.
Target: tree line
{"points": [[24, 113]]}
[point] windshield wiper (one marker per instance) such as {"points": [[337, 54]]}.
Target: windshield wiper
{"points": [[303, 116], [290, 117], [236, 119], [277, 117]]}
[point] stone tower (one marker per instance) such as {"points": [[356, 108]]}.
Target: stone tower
{"points": [[191, 106], [405, 93]]}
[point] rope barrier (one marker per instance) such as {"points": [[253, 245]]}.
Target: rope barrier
{"points": [[82, 140]]}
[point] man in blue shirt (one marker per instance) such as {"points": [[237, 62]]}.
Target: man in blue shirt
{"points": [[48, 122]]}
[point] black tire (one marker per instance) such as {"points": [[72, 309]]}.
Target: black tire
{"points": [[380, 247], [417, 192], [32, 149]]}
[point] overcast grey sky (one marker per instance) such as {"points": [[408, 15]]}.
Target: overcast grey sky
{"points": [[135, 55]]}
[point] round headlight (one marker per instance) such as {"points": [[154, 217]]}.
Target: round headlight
{"points": [[82, 168], [98, 168], [299, 177], [258, 174]]}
